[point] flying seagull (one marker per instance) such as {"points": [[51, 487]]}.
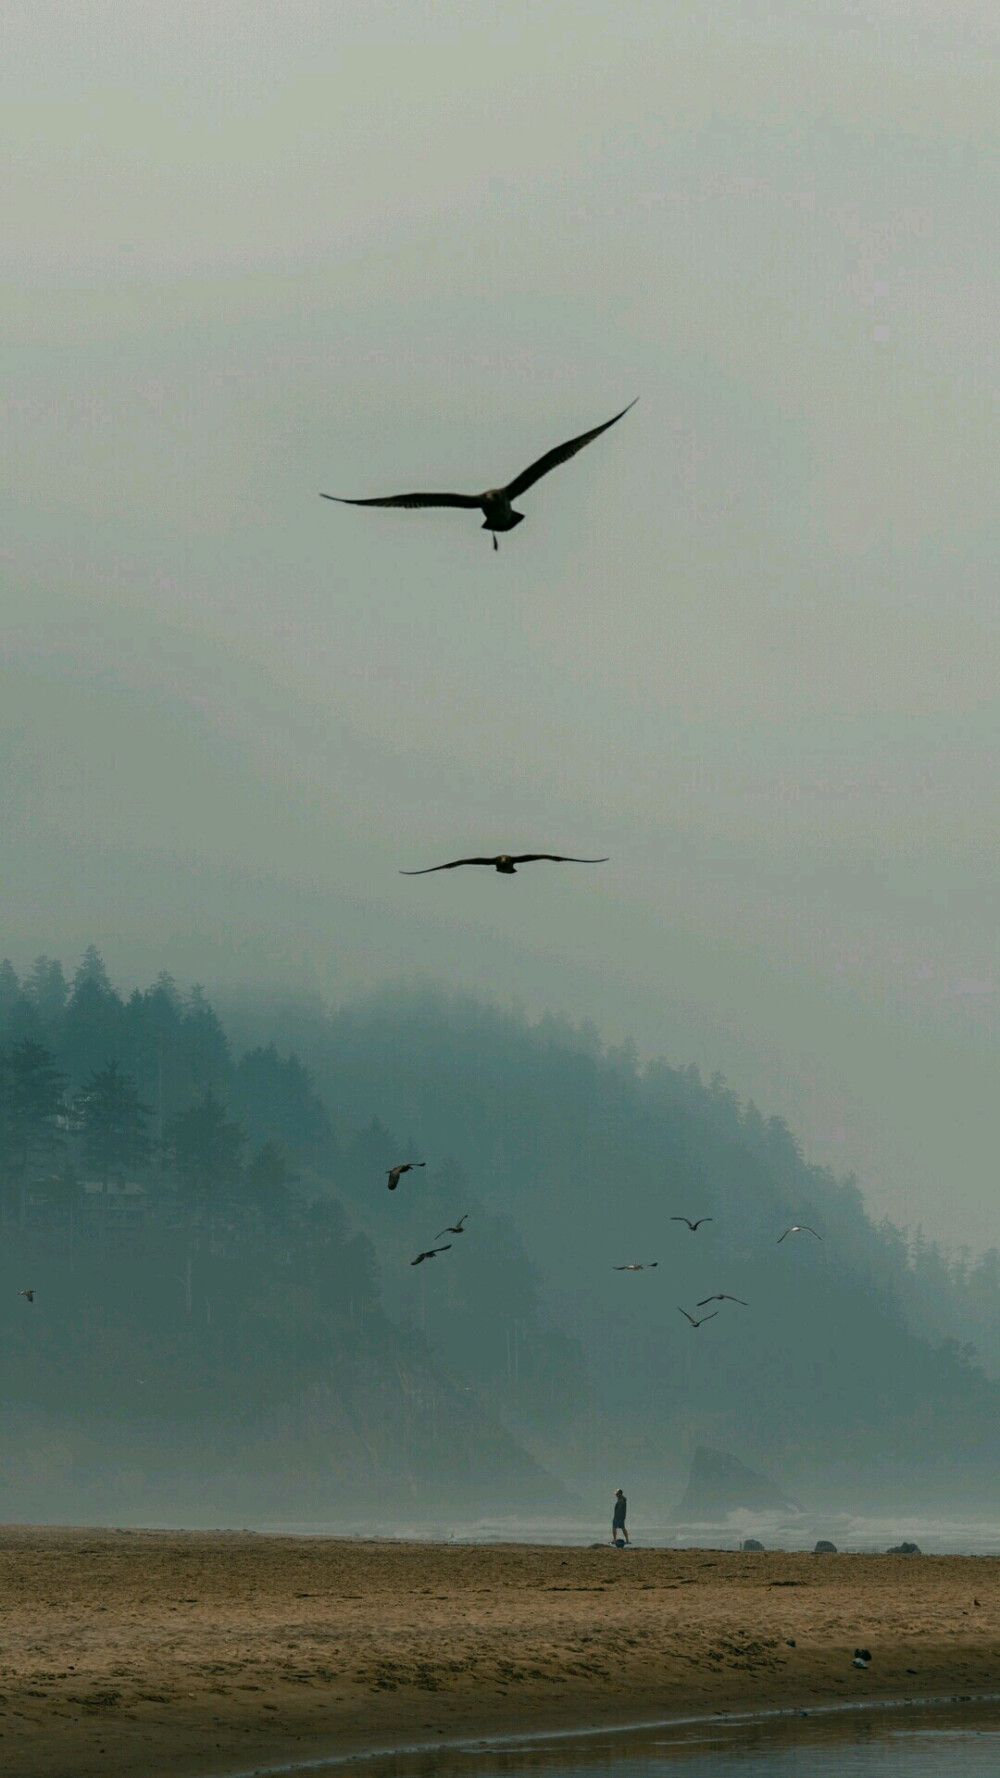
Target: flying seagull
{"points": [[431, 1253], [395, 1173], [495, 503], [454, 1228], [695, 1323], [797, 1228], [28, 1293], [693, 1226], [638, 1266], [722, 1297], [504, 862]]}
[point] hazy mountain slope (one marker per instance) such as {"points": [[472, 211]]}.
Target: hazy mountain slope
{"points": [[590, 1157]]}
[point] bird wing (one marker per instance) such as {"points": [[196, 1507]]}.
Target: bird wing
{"points": [[804, 1229], [784, 1236], [688, 1317], [682, 1219], [708, 1299], [708, 1317], [445, 1249], [702, 1219], [472, 500], [420, 1256], [551, 857], [455, 862], [560, 454]]}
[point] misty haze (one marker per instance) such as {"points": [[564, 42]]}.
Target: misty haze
{"points": [[498, 1020]]}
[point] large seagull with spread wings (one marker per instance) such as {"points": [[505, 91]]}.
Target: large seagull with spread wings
{"points": [[496, 503], [504, 862]]}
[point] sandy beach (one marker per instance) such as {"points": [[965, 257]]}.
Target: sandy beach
{"points": [[144, 1653]]}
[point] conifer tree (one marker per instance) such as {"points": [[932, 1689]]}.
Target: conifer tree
{"points": [[33, 1113], [112, 1121]]}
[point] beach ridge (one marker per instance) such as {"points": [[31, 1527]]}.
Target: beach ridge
{"points": [[164, 1654]]}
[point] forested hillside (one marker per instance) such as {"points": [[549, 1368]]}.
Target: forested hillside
{"points": [[223, 1284], [207, 1335]]}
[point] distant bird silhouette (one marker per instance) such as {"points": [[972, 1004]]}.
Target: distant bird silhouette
{"points": [[28, 1293], [454, 1228], [693, 1226], [504, 862], [638, 1266], [721, 1297], [432, 1253], [695, 1323], [797, 1228], [396, 1173], [495, 503]]}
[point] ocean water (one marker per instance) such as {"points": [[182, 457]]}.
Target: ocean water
{"points": [[954, 1740]]}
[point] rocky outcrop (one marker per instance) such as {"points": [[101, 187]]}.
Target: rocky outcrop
{"points": [[720, 1484]]}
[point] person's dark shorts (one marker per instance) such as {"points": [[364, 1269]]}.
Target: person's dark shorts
{"points": [[618, 1522]]}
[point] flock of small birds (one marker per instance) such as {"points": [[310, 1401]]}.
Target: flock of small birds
{"points": [[499, 515], [721, 1296], [633, 1265], [395, 1174]]}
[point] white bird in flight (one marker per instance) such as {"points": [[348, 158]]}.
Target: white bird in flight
{"points": [[693, 1226], [495, 503], [638, 1266], [797, 1228]]}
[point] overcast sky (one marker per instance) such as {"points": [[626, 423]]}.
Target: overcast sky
{"points": [[746, 643]]}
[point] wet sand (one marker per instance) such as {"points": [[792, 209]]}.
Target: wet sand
{"points": [[150, 1654]]}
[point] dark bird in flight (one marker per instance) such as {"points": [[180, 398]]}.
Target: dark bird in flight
{"points": [[432, 1253], [395, 1173], [504, 862], [693, 1226], [797, 1228], [722, 1297], [495, 503], [28, 1293], [649, 1265], [695, 1323], [454, 1228]]}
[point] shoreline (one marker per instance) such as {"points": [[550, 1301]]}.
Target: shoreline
{"points": [[533, 1739], [226, 1655]]}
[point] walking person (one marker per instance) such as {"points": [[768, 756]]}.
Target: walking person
{"points": [[618, 1530]]}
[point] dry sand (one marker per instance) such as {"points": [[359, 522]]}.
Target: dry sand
{"points": [[140, 1653]]}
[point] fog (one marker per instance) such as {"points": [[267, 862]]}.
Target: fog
{"points": [[747, 644], [211, 1309]]}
